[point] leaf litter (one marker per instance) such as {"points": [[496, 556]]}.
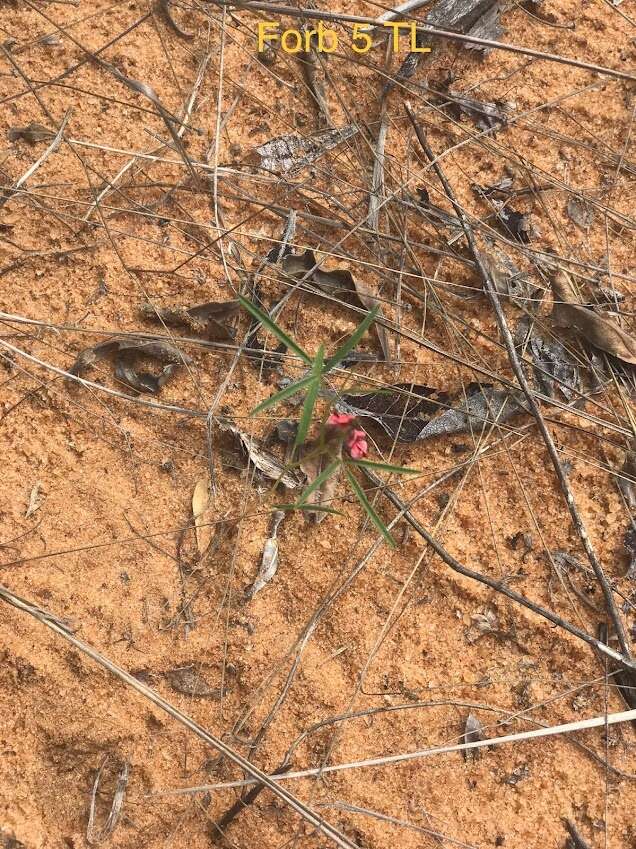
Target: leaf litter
{"points": [[269, 558], [290, 153], [127, 352], [208, 319]]}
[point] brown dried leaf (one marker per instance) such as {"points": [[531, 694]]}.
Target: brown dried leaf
{"points": [[338, 283], [96, 836], [36, 499], [313, 462], [473, 732], [189, 681], [402, 409], [269, 560], [263, 459], [580, 212], [32, 133], [204, 318], [203, 527], [290, 153]]}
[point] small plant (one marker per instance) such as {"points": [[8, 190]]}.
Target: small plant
{"points": [[337, 431]]}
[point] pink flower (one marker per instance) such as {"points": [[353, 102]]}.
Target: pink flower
{"points": [[354, 438], [357, 444], [340, 419]]}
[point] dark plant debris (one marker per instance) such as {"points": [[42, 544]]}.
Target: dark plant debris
{"points": [[189, 681], [208, 319], [402, 410], [289, 154]]}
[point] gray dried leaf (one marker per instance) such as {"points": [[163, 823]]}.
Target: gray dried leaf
{"points": [[127, 350], [263, 459], [458, 15], [189, 681], [488, 26], [508, 280], [473, 733], [207, 319], [51, 40], [629, 543], [269, 560], [482, 405], [164, 8], [313, 462], [555, 372], [513, 223], [338, 282], [8, 840], [627, 479], [32, 133], [36, 499], [598, 330], [581, 212], [289, 154], [519, 773], [402, 410], [95, 836], [484, 114]]}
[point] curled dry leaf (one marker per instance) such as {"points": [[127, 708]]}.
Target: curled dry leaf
{"points": [[488, 26], [402, 409], [208, 319], [289, 154], [458, 15], [338, 283], [269, 560], [263, 459], [473, 732], [627, 479], [580, 212], [508, 280], [484, 114], [189, 681], [36, 499], [555, 372], [32, 133], [482, 405], [127, 352], [629, 543], [513, 223], [94, 835], [203, 527], [164, 8], [595, 329], [314, 462]]}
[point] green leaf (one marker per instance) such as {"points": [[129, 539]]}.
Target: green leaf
{"points": [[362, 498], [287, 392], [311, 507], [353, 340], [271, 325], [322, 477], [385, 467], [310, 401]]}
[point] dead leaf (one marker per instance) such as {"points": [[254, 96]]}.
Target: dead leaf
{"points": [[482, 405], [208, 319], [290, 153], [488, 27], [513, 223], [269, 559], [595, 329], [263, 459], [96, 836], [188, 681], [32, 133], [484, 114], [127, 351], [508, 280], [315, 459], [581, 212], [337, 283], [473, 733], [629, 543], [627, 479], [203, 527], [555, 372], [164, 8], [36, 499], [402, 409]]}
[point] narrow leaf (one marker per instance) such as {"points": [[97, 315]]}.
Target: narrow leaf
{"points": [[353, 340], [287, 392], [318, 482], [310, 401], [362, 498], [271, 325], [312, 507]]}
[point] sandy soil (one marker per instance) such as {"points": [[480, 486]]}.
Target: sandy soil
{"points": [[106, 547]]}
